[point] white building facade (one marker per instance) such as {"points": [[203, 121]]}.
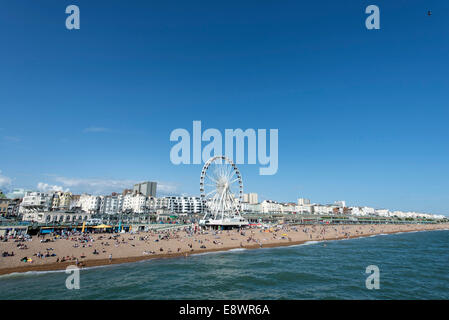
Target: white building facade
{"points": [[89, 203], [112, 204], [135, 203], [36, 201]]}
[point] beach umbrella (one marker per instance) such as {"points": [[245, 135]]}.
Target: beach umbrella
{"points": [[102, 226]]}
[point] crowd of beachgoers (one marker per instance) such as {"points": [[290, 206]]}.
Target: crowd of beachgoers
{"points": [[80, 248]]}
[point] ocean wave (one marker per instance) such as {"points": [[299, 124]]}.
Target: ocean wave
{"points": [[219, 251], [236, 249], [307, 243], [205, 253], [28, 273]]}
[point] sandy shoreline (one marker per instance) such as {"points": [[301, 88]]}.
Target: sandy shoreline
{"points": [[127, 248]]}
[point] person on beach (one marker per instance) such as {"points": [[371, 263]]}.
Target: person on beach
{"points": [[110, 257]]}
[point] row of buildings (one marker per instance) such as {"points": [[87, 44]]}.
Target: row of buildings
{"points": [[38, 207], [303, 206], [127, 202], [138, 200], [142, 199]]}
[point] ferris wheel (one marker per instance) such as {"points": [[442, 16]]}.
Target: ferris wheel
{"points": [[221, 188]]}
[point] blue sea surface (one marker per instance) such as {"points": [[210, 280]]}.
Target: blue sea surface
{"points": [[412, 266]]}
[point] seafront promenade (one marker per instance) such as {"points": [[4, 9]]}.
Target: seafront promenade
{"points": [[54, 252]]}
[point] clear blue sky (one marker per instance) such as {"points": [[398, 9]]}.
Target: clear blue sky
{"points": [[362, 115]]}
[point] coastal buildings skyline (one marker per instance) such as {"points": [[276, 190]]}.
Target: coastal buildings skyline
{"points": [[134, 201], [111, 200]]}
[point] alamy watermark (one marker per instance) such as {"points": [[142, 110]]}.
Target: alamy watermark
{"points": [[373, 280], [189, 148], [73, 280], [73, 20], [373, 20]]}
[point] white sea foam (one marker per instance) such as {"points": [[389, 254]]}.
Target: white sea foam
{"points": [[220, 251], [36, 273], [237, 249], [205, 253], [307, 243], [28, 273], [310, 242]]}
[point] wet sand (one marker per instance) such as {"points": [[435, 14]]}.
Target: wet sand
{"points": [[128, 247]]}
